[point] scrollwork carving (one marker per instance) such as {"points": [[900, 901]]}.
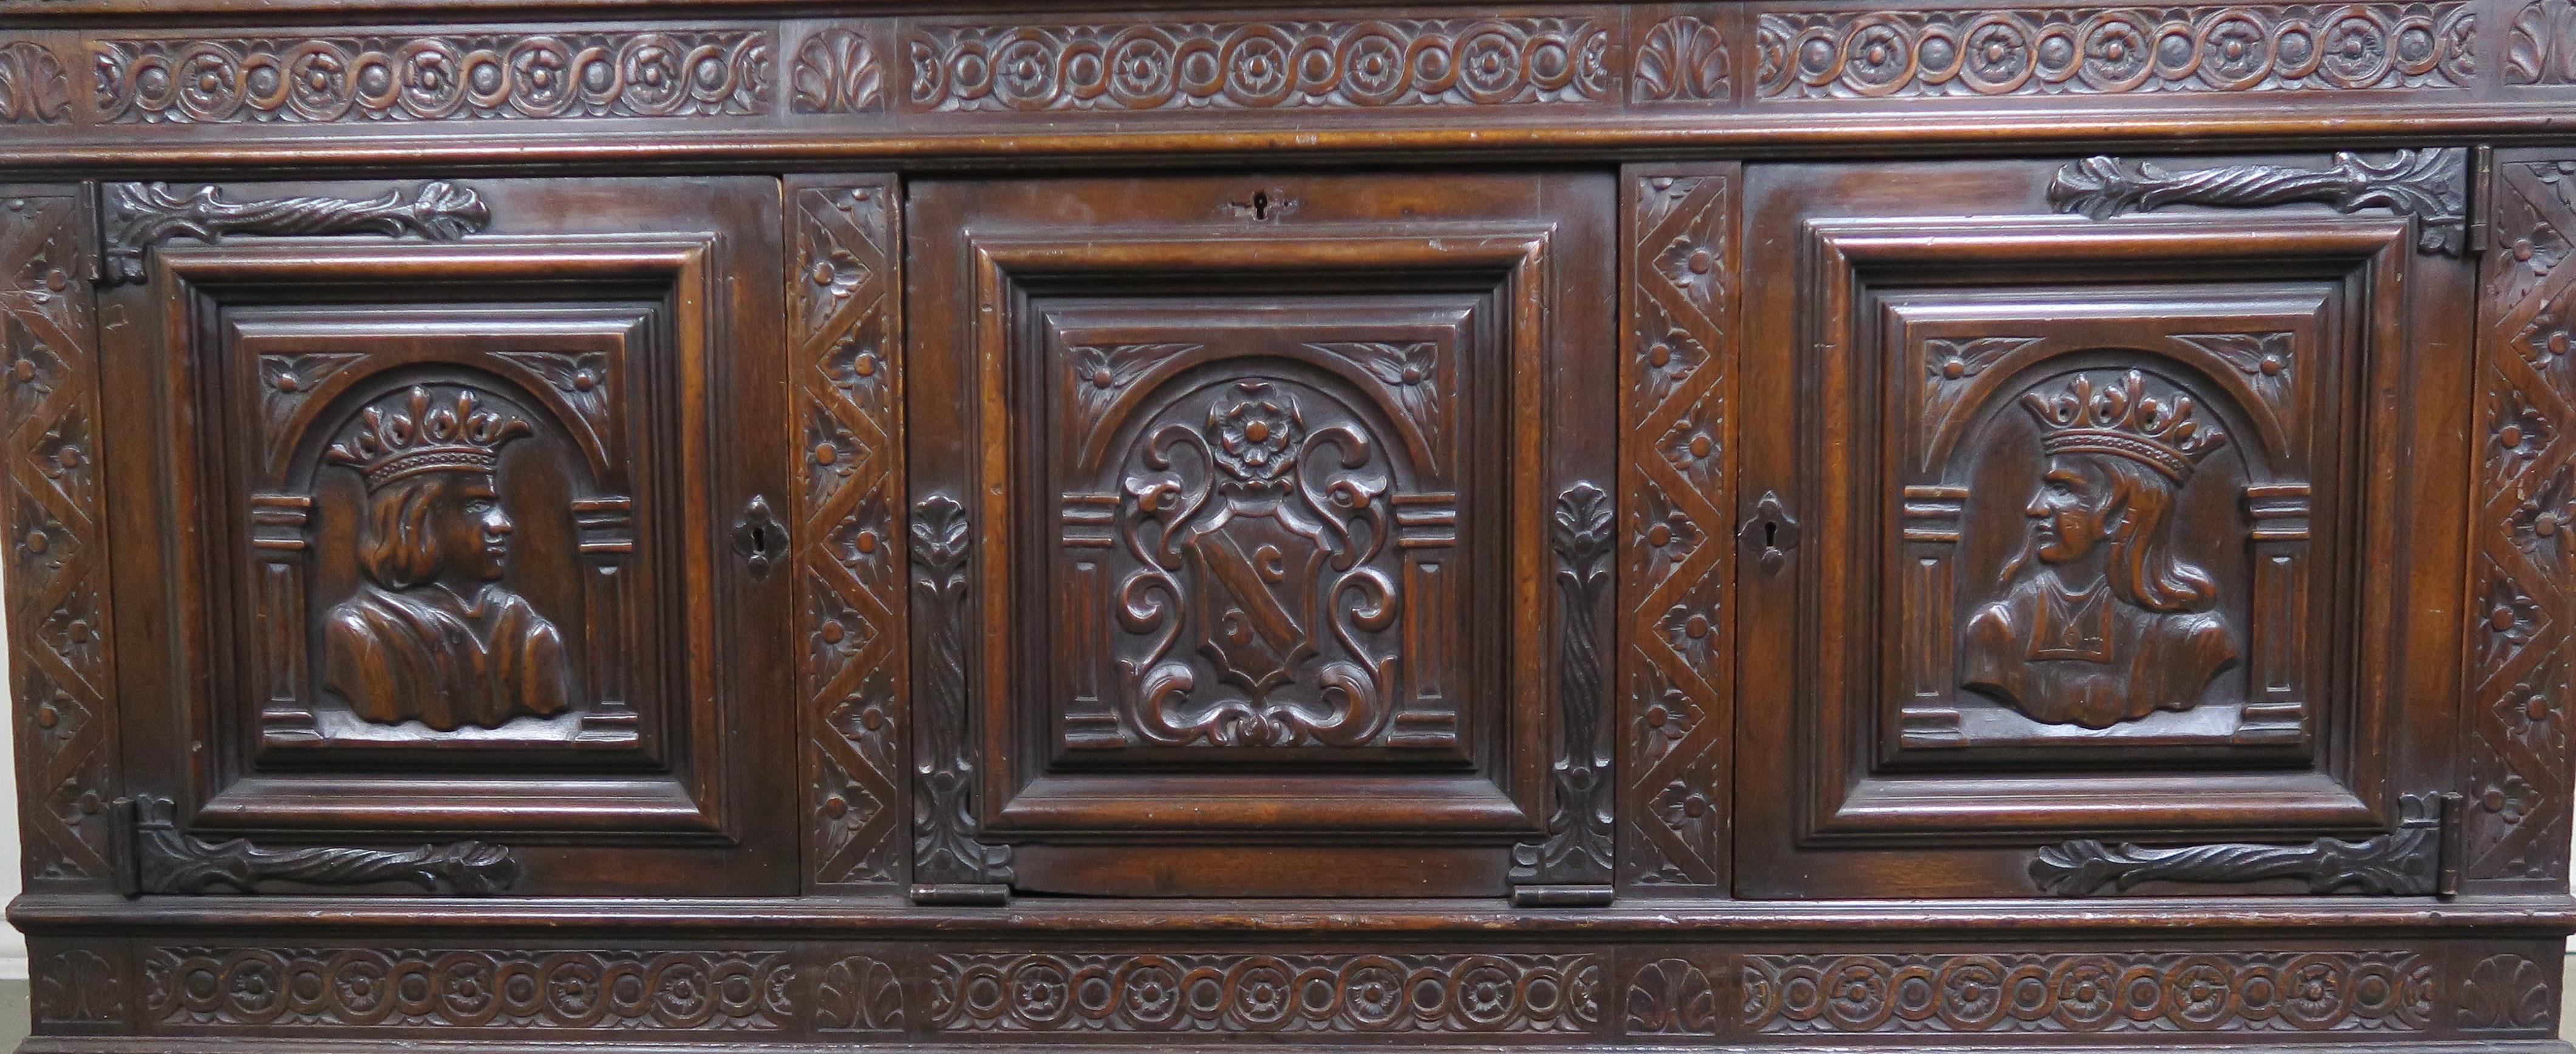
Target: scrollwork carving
{"points": [[2406, 862], [438, 77], [2429, 185], [2231, 48], [141, 215], [1262, 65], [167, 860], [2156, 992], [1263, 993]]}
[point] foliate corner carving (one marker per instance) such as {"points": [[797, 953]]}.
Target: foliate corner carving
{"points": [[2222, 48], [1497, 993], [1682, 59], [34, 89], [58, 607], [2404, 862], [849, 564], [1578, 848], [168, 860], [2508, 993], [2429, 185], [433, 77], [2123, 992], [1152, 66], [142, 215], [945, 848], [78, 987], [1675, 669], [836, 71], [2517, 654], [544, 990]]}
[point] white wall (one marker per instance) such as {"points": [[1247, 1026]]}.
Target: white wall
{"points": [[13, 946]]}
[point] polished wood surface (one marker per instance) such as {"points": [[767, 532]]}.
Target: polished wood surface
{"points": [[629, 525]]}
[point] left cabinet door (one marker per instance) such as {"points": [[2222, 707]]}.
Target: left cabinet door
{"points": [[443, 513]]}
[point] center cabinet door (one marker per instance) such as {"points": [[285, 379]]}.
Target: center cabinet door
{"points": [[2095, 556], [1238, 513]]}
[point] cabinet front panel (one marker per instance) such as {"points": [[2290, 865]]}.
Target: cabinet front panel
{"points": [[1260, 486], [2100, 532], [457, 528]]}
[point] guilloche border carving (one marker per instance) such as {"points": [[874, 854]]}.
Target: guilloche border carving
{"points": [[2429, 185], [142, 215], [843, 305], [1057, 992], [535, 989], [58, 606], [434, 77], [2230, 49], [2087, 992]]}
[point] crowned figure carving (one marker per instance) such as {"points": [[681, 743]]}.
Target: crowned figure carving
{"points": [[431, 635], [2103, 621]]}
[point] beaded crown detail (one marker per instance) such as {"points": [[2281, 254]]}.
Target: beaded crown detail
{"points": [[394, 441], [2119, 417]]}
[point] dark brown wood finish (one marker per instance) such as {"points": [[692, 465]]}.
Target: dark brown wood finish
{"points": [[558, 525]]}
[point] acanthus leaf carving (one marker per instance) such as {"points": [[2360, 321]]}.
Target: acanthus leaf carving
{"points": [[946, 850], [78, 986], [2429, 185], [142, 215], [1579, 847], [1672, 997], [433, 77], [2405, 862], [167, 860], [34, 89], [859, 993], [1683, 59], [836, 72], [2507, 993]]}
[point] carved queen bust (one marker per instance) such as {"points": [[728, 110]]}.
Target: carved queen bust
{"points": [[2111, 624], [431, 635]]}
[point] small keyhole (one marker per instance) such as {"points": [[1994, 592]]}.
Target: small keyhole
{"points": [[760, 539], [1770, 535], [1260, 205]]}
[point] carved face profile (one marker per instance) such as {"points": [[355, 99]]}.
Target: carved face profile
{"points": [[432, 637], [2114, 624]]}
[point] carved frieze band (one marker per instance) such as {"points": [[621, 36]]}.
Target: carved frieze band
{"points": [[1263, 65], [1675, 668], [2521, 607], [2172, 992], [56, 580], [2229, 48], [34, 88], [2429, 185], [849, 563], [1311, 993], [168, 860], [2405, 862], [441, 77], [420, 988], [142, 215]]}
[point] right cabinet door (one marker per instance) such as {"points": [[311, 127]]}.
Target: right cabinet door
{"points": [[2104, 535]]}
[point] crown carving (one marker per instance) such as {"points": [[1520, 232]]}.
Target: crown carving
{"points": [[2119, 417], [411, 434]]}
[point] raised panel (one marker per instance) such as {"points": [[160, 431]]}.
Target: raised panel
{"points": [[1263, 520], [2096, 537], [452, 528]]}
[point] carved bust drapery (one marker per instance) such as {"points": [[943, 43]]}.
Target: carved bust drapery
{"points": [[431, 636]]}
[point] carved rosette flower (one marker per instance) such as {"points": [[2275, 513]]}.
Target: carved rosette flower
{"points": [[1254, 439]]}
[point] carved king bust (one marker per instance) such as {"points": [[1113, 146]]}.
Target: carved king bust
{"points": [[432, 636], [2110, 624]]}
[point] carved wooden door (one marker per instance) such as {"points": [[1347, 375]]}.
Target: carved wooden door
{"points": [[469, 535], [2101, 534], [1260, 529]]}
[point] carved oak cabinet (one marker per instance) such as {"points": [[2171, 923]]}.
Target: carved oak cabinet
{"points": [[626, 525]]}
